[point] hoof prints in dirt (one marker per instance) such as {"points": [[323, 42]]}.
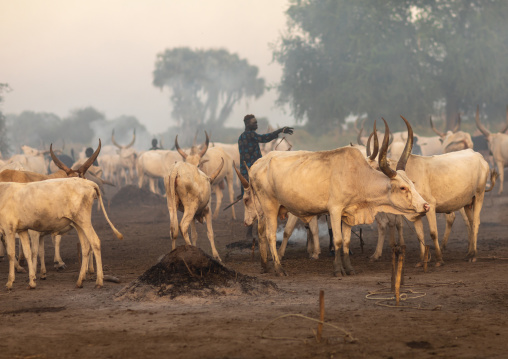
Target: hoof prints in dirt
{"points": [[189, 271]]}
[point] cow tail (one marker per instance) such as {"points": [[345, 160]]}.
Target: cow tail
{"points": [[99, 196], [173, 200], [493, 177]]}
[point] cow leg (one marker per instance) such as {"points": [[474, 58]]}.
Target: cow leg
{"points": [[218, 200], [2, 247], [450, 218], [382, 223], [263, 248], [473, 215], [346, 232], [193, 233], [400, 227], [431, 217], [331, 248], [420, 234], [25, 242], [313, 231], [209, 230], [188, 217], [335, 221], [500, 169], [37, 241], [288, 231], [89, 241], [21, 256], [58, 263], [10, 246], [271, 235]]}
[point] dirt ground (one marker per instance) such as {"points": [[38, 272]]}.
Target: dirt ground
{"points": [[458, 310]]}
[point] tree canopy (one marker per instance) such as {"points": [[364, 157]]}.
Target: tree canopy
{"points": [[205, 85], [388, 58]]}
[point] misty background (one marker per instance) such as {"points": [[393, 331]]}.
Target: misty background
{"points": [[71, 72]]}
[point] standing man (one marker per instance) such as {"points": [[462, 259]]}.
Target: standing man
{"points": [[248, 145]]}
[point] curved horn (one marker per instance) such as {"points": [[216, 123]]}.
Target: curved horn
{"points": [[133, 139], [244, 181], [457, 125], [376, 144], [440, 134], [506, 126], [214, 176], [207, 141], [359, 137], [482, 129], [85, 166], [59, 163], [401, 165], [368, 145], [383, 162], [113, 139], [180, 151]]}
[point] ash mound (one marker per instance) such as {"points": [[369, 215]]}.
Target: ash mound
{"points": [[133, 195], [188, 271]]}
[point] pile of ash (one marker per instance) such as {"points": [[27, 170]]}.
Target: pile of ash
{"points": [[130, 194], [188, 270]]}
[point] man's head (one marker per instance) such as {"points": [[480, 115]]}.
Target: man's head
{"points": [[154, 142], [89, 151], [251, 123]]}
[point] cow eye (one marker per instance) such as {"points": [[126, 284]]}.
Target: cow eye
{"points": [[402, 188]]}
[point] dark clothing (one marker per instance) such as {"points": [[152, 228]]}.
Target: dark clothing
{"points": [[248, 145]]}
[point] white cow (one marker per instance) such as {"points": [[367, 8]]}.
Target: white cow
{"points": [[188, 189], [51, 206], [152, 165], [350, 190], [123, 165], [454, 140], [498, 146]]}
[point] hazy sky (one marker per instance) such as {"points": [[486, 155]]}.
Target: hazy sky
{"points": [[60, 55]]}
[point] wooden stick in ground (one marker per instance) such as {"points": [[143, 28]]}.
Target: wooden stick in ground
{"points": [[399, 278], [403, 251], [394, 267], [425, 259], [321, 314]]}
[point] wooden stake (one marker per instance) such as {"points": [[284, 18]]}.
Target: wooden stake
{"points": [[394, 267], [321, 314], [425, 259], [399, 277]]}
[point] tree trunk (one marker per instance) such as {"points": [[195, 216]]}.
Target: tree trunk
{"points": [[452, 109]]}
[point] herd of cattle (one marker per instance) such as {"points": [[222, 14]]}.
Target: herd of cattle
{"points": [[351, 185]]}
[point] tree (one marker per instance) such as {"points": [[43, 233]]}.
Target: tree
{"points": [[390, 58], [205, 85]]}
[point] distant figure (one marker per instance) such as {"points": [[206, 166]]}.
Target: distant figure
{"points": [[154, 145], [89, 152], [417, 150]]}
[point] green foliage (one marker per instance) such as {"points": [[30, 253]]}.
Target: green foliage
{"points": [[205, 85], [389, 58]]}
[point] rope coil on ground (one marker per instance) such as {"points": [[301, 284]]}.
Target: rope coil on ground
{"points": [[348, 337]]}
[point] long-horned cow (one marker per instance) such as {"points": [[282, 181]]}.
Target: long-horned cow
{"points": [[155, 164], [51, 206], [454, 140], [125, 162], [498, 145], [350, 190], [188, 189]]}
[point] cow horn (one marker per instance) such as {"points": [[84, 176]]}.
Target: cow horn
{"points": [[506, 126], [180, 151], [207, 141], [113, 139], [214, 176], [244, 181], [457, 125], [359, 137], [376, 143], [133, 139], [440, 134], [482, 129], [383, 162], [401, 165], [368, 145], [59, 163], [82, 170]]}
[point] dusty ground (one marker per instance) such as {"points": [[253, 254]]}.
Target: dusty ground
{"points": [[458, 310]]}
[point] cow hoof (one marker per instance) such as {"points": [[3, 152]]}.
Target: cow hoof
{"points": [[79, 286], [351, 272], [419, 264], [43, 277], [98, 286], [59, 267], [340, 273], [472, 260], [20, 270], [314, 257]]}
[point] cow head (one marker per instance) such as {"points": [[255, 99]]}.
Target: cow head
{"points": [[454, 140], [120, 146], [80, 172], [250, 213], [402, 192], [195, 157]]}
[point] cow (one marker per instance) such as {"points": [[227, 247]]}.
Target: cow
{"points": [[124, 163], [349, 189], [454, 140], [498, 145], [51, 206], [188, 189], [153, 165], [32, 159]]}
